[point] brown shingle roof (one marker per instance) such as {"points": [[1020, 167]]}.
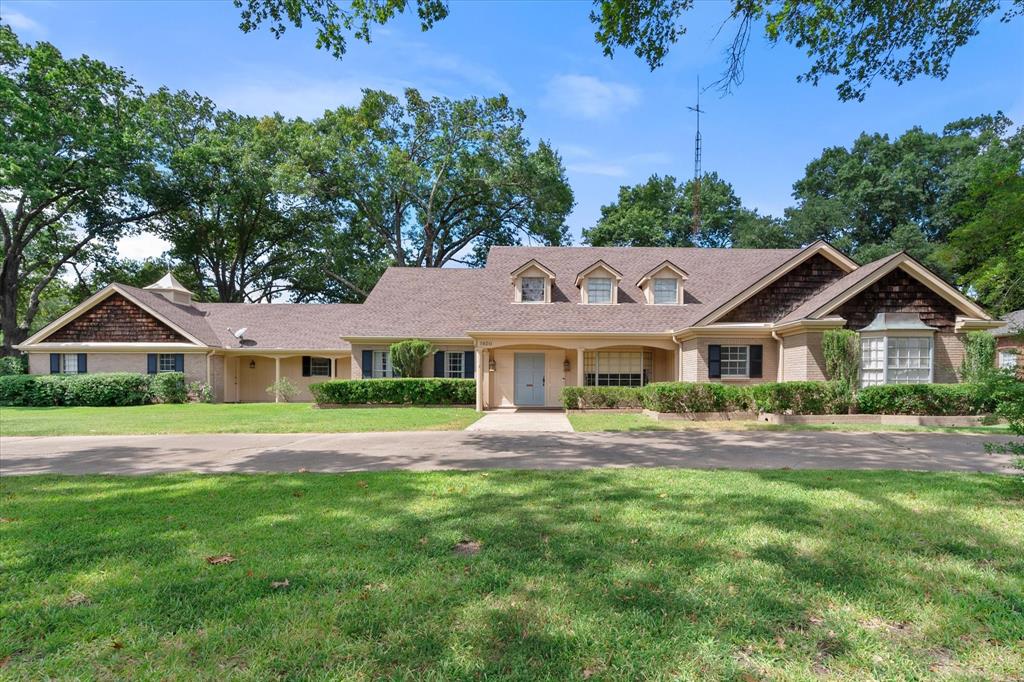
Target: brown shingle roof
{"points": [[1014, 324]]}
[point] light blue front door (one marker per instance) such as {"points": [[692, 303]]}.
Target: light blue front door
{"points": [[529, 379]]}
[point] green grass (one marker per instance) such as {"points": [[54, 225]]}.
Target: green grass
{"points": [[227, 418], [635, 421], [599, 574]]}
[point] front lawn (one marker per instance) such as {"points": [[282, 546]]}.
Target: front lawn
{"points": [[636, 421], [227, 418], [599, 574]]}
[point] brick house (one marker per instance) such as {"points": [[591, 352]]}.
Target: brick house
{"points": [[1010, 342]]}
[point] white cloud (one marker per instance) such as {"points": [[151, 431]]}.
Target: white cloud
{"points": [[609, 170], [295, 96], [144, 245], [20, 22], [589, 97]]}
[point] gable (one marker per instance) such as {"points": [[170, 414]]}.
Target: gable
{"points": [[899, 292], [115, 319], [786, 293]]}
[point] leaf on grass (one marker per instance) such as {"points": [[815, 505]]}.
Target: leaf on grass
{"points": [[5, 660], [116, 644], [361, 484], [7, 519], [298, 493], [467, 547], [76, 599], [278, 584], [423, 542], [220, 559], [662, 495]]}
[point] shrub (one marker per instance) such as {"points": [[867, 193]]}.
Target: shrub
{"points": [[407, 356], [979, 357], [802, 397], [169, 387], [199, 392], [841, 348], [283, 389], [107, 390], [682, 397], [395, 392], [925, 399], [22, 390], [13, 364], [595, 397]]}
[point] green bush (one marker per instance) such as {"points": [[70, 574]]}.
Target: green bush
{"points": [[841, 348], [682, 397], [169, 387], [407, 356], [13, 364], [395, 392], [925, 399], [80, 390], [802, 397], [597, 397], [979, 357]]}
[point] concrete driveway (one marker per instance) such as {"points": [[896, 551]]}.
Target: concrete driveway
{"points": [[430, 450]]}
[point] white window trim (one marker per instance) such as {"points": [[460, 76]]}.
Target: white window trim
{"points": [[386, 361], [885, 355], [654, 290], [612, 286], [519, 289], [746, 363], [312, 365], [64, 369], [1006, 358], [160, 357], [447, 364]]}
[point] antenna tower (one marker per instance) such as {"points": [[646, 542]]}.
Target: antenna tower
{"points": [[696, 164]]}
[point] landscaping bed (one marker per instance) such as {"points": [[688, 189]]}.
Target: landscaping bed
{"points": [[601, 574]]}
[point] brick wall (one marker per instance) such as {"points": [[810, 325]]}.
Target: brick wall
{"points": [[788, 292], [695, 358], [116, 319], [802, 357]]}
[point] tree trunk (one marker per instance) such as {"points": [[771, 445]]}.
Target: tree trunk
{"points": [[13, 334]]}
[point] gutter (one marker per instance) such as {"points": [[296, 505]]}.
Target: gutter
{"points": [[780, 372]]}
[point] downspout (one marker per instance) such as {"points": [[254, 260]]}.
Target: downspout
{"points": [[679, 358], [780, 372]]}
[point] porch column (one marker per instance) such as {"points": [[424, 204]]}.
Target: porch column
{"points": [[579, 366], [478, 358], [277, 378]]}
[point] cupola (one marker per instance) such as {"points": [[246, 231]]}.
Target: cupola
{"points": [[171, 289]]}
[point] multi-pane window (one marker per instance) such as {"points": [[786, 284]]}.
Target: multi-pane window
{"points": [[734, 361], [319, 367], [599, 290], [381, 365], [69, 363], [616, 368], [1007, 359], [533, 289], [895, 360], [454, 365], [665, 290], [166, 363]]}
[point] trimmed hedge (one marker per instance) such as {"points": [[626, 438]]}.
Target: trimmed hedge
{"points": [[395, 392], [598, 397], [925, 399], [75, 390], [169, 387], [13, 364], [683, 397], [801, 397]]}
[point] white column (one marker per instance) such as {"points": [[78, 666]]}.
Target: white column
{"points": [[579, 366], [679, 362], [277, 378], [478, 359]]}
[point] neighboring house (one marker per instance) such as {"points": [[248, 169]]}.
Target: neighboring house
{"points": [[535, 319], [1010, 342]]}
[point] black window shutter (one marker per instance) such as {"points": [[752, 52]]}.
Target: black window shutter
{"points": [[179, 362], [714, 361], [306, 370], [367, 364], [439, 364], [151, 363], [54, 363], [83, 360], [469, 365], [756, 361]]}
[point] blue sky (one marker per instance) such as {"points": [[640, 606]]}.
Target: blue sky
{"points": [[614, 121]]}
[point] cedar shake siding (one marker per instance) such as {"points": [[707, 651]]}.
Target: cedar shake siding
{"points": [[898, 292], [116, 320], [788, 292]]}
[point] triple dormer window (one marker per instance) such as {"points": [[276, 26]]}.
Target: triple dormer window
{"points": [[663, 285], [599, 284]]}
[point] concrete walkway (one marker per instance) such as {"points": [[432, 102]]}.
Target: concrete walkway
{"points": [[523, 420], [429, 450]]}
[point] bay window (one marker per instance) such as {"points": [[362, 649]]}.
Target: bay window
{"points": [[894, 359]]}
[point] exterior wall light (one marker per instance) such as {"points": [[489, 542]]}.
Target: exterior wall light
{"points": [[566, 366], [252, 364], [491, 365]]}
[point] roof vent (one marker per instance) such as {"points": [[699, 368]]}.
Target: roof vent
{"points": [[171, 289]]}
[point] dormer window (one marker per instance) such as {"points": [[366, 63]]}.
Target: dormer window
{"points": [[533, 283], [663, 285], [599, 284]]}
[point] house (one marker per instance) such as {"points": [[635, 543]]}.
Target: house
{"points": [[1010, 342], [535, 319]]}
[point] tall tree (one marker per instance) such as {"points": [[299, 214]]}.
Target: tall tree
{"points": [[659, 212], [436, 181], [74, 166], [854, 40]]}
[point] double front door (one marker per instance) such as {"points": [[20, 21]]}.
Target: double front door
{"points": [[529, 379]]}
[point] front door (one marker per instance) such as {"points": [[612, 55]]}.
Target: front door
{"points": [[529, 379]]}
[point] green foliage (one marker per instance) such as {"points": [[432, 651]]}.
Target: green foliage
{"points": [[841, 348], [199, 392], [169, 387], [979, 357], [283, 389], [596, 397], [926, 399], [683, 397], [395, 392], [802, 397], [94, 390], [13, 364], [407, 356]]}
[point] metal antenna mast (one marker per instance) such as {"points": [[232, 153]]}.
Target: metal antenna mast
{"points": [[696, 164]]}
